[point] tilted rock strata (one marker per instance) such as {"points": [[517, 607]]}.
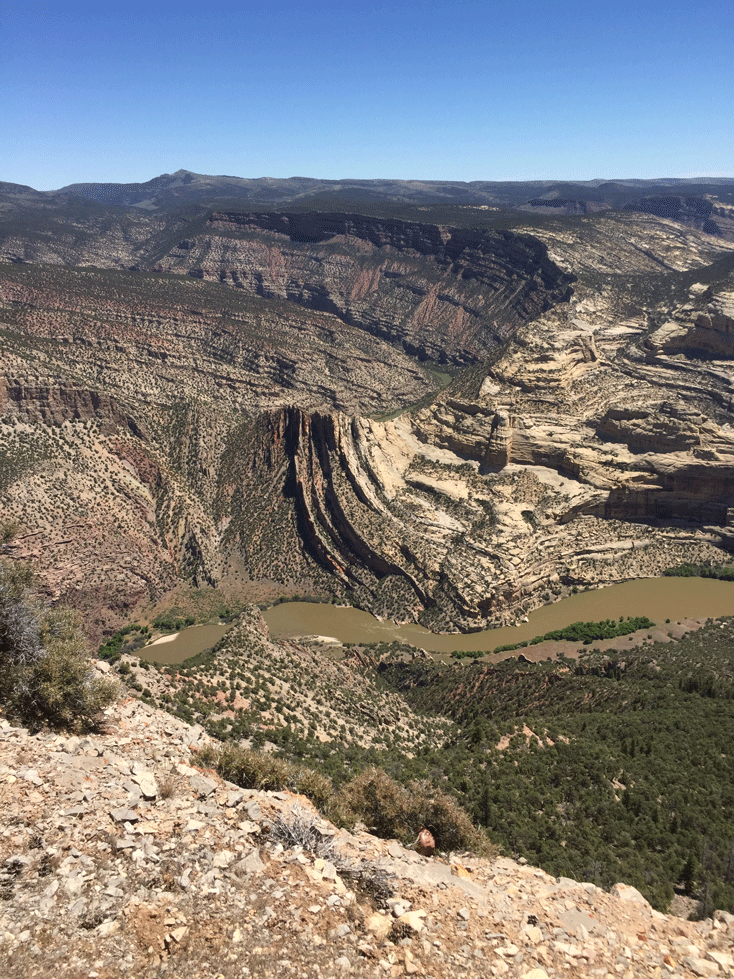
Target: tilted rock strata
{"points": [[624, 243], [443, 293], [696, 212], [582, 457], [159, 427], [162, 339], [118, 399]]}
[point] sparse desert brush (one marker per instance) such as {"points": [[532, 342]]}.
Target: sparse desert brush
{"points": [[207, 756], [300, 829], [46, 676], [316, 787], [391, 810], [167, 787], [379, 801], [449, 823], [252, 769], [258, 770]]}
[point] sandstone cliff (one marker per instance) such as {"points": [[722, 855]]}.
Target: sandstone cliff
{"points": [[442, 293], [585, 454], [159, 427]]}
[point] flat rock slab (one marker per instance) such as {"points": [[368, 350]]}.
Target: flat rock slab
{"points": [[202, 785], [574, 919], [147, 785], [124, 815], [252, 864], [434, 874]]}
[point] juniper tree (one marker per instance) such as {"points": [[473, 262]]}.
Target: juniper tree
{"points": [[45, 673]]}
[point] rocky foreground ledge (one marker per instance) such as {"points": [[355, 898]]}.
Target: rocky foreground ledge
{"points": [[120, 857]]}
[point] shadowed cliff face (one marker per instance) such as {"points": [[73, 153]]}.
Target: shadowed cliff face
{"points": [[445, 294], [578, 458], [696, 212], [212, 428]]}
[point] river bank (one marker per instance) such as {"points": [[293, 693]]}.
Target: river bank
{"points": [[675, 605]]}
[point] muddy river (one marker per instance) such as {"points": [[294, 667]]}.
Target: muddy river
{"points": [[657, 598], [181, 645]]}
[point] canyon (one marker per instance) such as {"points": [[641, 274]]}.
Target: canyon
{"points": [[448, 423], [442, 405]]}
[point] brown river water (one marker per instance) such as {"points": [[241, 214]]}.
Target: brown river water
{"points": [[657, 598]]}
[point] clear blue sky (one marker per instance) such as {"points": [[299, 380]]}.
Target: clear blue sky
{"points": [[452, 90]]}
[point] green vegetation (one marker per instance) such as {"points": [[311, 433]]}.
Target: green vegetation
{"points": [[585, 632], [258, 770], [614, 767], [627, 774], [118, 644], [389, 809], [700, 571], [393, 810], [165, 623], [45, 673]]}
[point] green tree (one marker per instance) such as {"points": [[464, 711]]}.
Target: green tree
{"points": [[45, 672]]}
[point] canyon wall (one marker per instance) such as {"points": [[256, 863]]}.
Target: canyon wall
{"points": [[447, 294]]}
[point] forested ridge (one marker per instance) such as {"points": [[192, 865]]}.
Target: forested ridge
{"points": [[627, 775]]}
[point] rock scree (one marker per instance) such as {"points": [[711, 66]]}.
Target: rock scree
{"points": [[120, 856]]}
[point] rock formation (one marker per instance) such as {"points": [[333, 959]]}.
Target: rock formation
{"points": [[446, 294], [576, 461], [224, 428], [122, 855]]}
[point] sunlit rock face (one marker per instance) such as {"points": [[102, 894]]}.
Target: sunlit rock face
{"points": [[267, 422], [579, 456], [447, 294]]}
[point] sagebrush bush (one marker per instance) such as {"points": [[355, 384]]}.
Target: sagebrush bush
{"points": [[389, 810], [316, 787], [252, 769], [259, 770], [46, 676], [300, 829], [380, 802]]}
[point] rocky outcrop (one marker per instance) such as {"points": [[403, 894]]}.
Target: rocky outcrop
{"points": [[448, 294], [578, 458], [658, 428], [703, 328], [592, 443], [438, 518], [53, 405], [694, 211], [138, 860]]}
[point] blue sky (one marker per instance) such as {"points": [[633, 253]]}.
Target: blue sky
{"points": [[512, 90]]}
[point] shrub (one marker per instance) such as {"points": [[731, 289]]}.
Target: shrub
{"points": [[393, 810], [316, 787], [300, 830], [389, 809], [45, 672], [251, 769], [380, 802]]}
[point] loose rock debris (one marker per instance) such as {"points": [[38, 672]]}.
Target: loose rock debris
{"points": [[103, 874]]}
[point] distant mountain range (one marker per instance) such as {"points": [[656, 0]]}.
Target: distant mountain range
{"points": [[183, 186]]}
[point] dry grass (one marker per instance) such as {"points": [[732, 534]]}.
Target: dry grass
{"points": [[167, 787], [390, 810]]}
